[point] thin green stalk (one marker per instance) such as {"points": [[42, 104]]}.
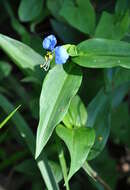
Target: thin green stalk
{"points": [[8, 117], [64, 168], [88, 169], [46, 172]]}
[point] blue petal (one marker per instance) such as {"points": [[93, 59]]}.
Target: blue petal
{"points": [[61, 55], [49, 42]]}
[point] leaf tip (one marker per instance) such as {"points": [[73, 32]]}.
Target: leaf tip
{"points": [[37, 153]]}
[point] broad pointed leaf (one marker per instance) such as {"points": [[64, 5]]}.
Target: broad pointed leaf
{"points": [[54, 7], [99, 119], [79, 14], [59, 87], [103, 53], [35, 7], [79, 142], [25, 57], [116, 27]]}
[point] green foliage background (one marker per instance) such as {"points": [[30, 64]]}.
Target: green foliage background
{"points": [[73, 123]]}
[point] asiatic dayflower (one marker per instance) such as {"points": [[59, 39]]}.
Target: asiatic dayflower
{"points": [[61, 55]]}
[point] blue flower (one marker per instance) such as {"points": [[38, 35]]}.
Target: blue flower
{"points": [[61, 55], [49, 42]]}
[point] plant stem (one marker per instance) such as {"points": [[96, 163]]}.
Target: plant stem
{"points": [[95, 176], [47, 173], [64, 168]]}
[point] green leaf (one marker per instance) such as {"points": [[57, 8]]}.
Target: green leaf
{"points": [[119, 94], [103, 53], [56, 169], [29, 10], [102, 129], [120, 130], [59, 87], [118, 80], [77, 114], [29, 138], [19, 90], [99, 119], [5, 69], [29, 167], [79, 14], [25, 57], [116, 28], [34, 103], [79, 142], [47, 173], [54, 7], [122, 7], [8, 117], [121, 76], [19, 122], [16, 25], [95, 106]]}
